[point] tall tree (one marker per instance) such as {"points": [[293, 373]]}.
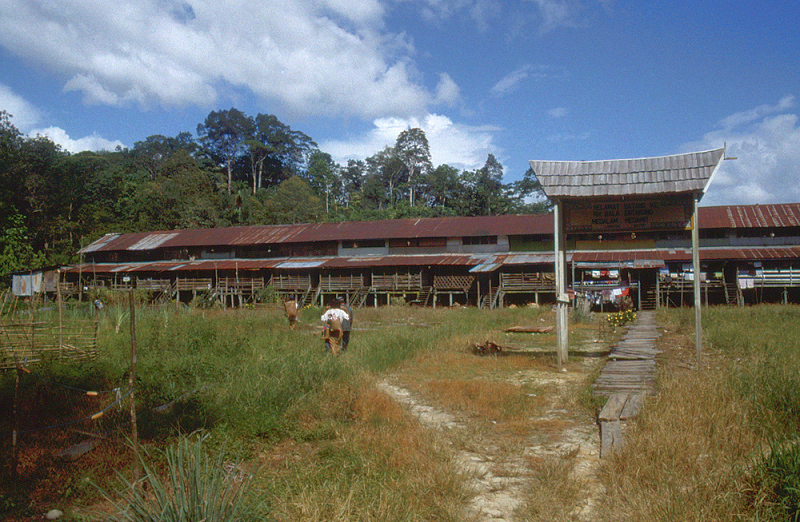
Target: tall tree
{"points": [[155, 150], [373, 193], [184, 197], [16, 250], [484, 192], [323, 176], [353, 180], [259, 152], [293, 202], [12, 195], [223, 135], [280, 151], [531, 196], [390, 170], [413, 150], [441, 187]]}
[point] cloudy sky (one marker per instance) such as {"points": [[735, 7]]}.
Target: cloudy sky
{"points": [[523, 79]]}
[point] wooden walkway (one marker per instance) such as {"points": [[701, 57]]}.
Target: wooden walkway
{"points": [[626, 379], [631, 366]]}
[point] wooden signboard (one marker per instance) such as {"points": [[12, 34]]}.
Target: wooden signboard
{"points": [[628, 215]]}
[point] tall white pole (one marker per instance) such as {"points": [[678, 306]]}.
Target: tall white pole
{"points": [[698, 325], [562, 300]]}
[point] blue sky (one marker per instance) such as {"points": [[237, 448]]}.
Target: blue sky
{"points": [[528, 79]]}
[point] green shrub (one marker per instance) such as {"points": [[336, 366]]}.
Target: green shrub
{"points": [[777, 480]]}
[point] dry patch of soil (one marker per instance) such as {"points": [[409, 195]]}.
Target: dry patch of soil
{"points": [[501, 463]]}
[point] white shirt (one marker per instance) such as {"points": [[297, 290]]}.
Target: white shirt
{"points": [[335, 313]]}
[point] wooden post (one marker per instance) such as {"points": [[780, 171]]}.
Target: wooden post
{"points": [[32, 313], [131, 384], [60, 311], [562, 299], [80, 276], [658, 291], [698, 327], [15, 430]]}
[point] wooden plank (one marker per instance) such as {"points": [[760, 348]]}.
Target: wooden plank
{"points": [[632, 406], [610, 437], [613, 407]]}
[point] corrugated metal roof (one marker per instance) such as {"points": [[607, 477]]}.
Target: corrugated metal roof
{"points": [[530, 259], [486, 267], [751, 253], [346, 231], [773, 216], [100, 243], [685, 254], [488, 262], [493, 262], [635, 264], [478, 262], [151, 241], [291, 265], [416, 260], [751, 216], [625, 177]]}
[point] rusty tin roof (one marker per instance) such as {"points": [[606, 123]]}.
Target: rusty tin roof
{"points": [[733, 216], [751, 216], [317, 232]]}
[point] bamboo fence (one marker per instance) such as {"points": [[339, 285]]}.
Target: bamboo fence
{"points": [[34, 342]]}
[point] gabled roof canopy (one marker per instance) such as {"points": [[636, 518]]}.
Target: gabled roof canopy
{"points": [[681, 173]]}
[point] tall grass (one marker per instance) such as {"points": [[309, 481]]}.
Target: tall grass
{"points": [[775, 482], [343, 450], [716, 443], [764, 345]]}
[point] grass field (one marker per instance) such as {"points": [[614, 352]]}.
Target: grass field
{"points": [[321, 441]]}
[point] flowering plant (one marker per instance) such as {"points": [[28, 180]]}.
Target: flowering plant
{"points": [[621, 318]]}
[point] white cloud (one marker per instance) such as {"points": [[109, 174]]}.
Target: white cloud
{"points": [[457, 145], [557, 112], [481, 11], [766, 142], [91, 143], [559, 13], [563, 137], [513, 80], [745, 117], [23, 114], [510, 82], [447, 91], [327, 58]]}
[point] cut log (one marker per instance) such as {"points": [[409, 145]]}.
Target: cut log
{"points": [[531, 329]]}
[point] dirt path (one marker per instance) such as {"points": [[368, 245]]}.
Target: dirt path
{"points": [[500, 470]]}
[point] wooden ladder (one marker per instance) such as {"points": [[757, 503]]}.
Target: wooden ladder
{"points": [[425, 295], [649, 300], [490, 300], [733, 295]]}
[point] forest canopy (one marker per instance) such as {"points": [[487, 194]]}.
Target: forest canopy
{"points": [[236, 170]]}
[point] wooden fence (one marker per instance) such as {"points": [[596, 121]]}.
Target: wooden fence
{"points": [[26, 343]]}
